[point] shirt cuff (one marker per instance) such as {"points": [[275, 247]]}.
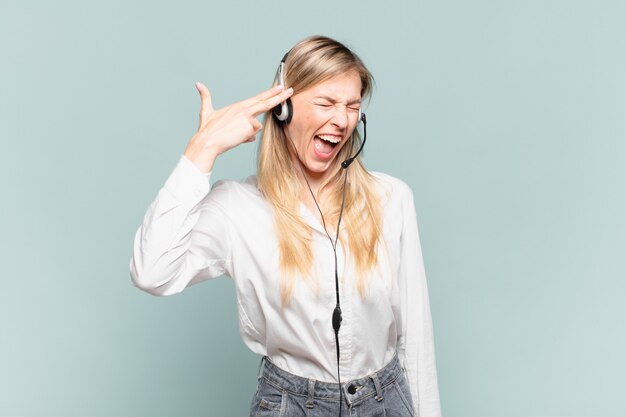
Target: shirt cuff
{"points": [[188, 161], [187, 183]]}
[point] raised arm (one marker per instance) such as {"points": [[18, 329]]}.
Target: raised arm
{"points": [[223, 129], [184, 237]]}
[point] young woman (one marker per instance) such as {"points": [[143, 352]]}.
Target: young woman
{"points": [[325, 256]]}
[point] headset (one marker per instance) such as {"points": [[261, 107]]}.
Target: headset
{"points": [[283, 114], [284, 111]]}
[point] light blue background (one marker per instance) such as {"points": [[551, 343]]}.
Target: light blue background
{"points": [[507, 118]]}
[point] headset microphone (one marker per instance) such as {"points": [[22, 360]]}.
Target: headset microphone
{"points": [[345, 164]]}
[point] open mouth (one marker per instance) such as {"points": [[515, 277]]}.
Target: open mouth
{"points": [[325, 144]]}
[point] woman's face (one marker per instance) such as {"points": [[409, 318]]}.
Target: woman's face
{"points": [[324, 117]]}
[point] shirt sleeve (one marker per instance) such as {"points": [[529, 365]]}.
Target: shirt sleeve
{"points": [[416, 341], [170, 250]]}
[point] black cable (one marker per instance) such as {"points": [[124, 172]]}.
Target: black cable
{"points": [[337, 316]]}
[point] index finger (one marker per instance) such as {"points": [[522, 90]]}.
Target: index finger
{"points": [[269, 99], [264, 95]]}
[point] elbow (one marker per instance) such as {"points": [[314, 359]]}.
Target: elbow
{"points": [[146, 285], [150, 282]]}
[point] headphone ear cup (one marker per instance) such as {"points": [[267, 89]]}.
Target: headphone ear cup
{"points": [[283, 112], [289, 112]]}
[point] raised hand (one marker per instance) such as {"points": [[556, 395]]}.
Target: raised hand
{"points": [[223, 129]]}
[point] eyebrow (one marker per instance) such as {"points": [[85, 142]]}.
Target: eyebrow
{"points": [[332, 100]]}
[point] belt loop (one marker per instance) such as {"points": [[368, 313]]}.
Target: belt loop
{"points": [[311, 391], [258, 373], [379, 392]]}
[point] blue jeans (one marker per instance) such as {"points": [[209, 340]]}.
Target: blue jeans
{"points": [[383, 393]]}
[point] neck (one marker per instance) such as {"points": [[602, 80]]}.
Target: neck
{"points": [[307, 178]]}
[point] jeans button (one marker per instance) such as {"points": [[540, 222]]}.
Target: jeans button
{"points": [[352, 389]]}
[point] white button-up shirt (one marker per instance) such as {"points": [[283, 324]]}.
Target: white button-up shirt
{"points": [[193, 231]]}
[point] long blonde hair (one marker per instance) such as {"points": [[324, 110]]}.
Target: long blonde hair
{"points": [[310, 62]]}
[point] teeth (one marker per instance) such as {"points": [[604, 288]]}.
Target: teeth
{"points": [[330, 138]]}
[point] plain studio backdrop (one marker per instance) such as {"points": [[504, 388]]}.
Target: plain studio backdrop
{"points": [[506, 118]]}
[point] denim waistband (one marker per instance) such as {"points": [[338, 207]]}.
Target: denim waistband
{"points": [[353, 390]]}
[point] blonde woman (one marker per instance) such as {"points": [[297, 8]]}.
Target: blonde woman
{"points": [[325, 256]]}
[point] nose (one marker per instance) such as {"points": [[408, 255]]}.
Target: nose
{"points": [[340, 117]]}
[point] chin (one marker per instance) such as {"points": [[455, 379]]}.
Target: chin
{"points": [[318, 168]]}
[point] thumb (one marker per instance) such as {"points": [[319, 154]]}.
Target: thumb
{"points": [[206, 106]]}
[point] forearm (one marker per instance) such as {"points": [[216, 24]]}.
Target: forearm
{"points": [[162, 262]]}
